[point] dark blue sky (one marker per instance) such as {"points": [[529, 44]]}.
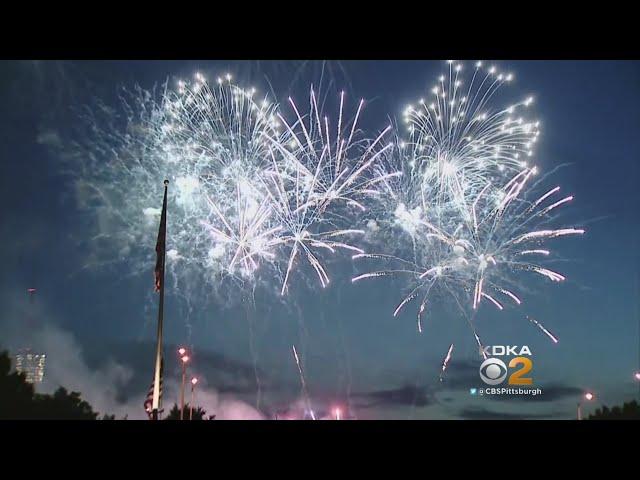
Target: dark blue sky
{"points": [[590, 114]]}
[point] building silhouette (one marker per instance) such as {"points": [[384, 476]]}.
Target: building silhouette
{"points": [[30, 362]]}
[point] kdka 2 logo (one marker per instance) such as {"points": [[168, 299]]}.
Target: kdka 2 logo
{"points": [[494, 371]]}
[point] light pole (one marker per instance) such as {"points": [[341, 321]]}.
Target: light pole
{"points": [[587, 396], [194, 380], [185, 359], [637, 377]]}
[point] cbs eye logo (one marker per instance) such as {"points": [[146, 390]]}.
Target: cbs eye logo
{"points": [[493, 371]]}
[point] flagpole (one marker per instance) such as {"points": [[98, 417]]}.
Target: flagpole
{"points": [[156, 382]]}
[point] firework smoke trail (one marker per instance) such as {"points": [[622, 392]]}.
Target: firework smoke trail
{"points": [[303, 382], [541, 327], [457, 222]]}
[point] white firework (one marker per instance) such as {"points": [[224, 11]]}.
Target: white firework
{"points": [[217, 136], [251, 193], [460, 223], [318, 183], [458, 142]]}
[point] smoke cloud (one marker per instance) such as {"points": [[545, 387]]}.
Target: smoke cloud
{"points": [[106, 387]]}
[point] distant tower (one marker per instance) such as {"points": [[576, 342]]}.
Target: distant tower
{"points": [[27, 361], [31, 364]]}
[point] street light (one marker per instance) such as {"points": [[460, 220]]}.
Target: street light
{"points": [[194, 380], [587, 396], [184, 358], [337, 413], [637, 376]]}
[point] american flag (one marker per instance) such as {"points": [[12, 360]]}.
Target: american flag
{"points": [[148, 403], [161, 243]]}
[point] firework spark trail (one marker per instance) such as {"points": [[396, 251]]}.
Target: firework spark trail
{"points": [[510, 295], [303, 382], [493, 300], [480, 348], [254, 357], [312, 183], [445, 362], [541, 327], [456, 142]]}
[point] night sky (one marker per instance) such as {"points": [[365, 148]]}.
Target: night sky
{"points": [[355, 353]]}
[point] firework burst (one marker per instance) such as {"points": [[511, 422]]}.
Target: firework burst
{"points": [[457, 143], [318, 182], [465, 209], [252, 192]]}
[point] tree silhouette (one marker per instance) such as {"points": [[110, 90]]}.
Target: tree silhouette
{"points": [[16, 395], [628, 411], [174, 413], [18, 399], [63, 405]]}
